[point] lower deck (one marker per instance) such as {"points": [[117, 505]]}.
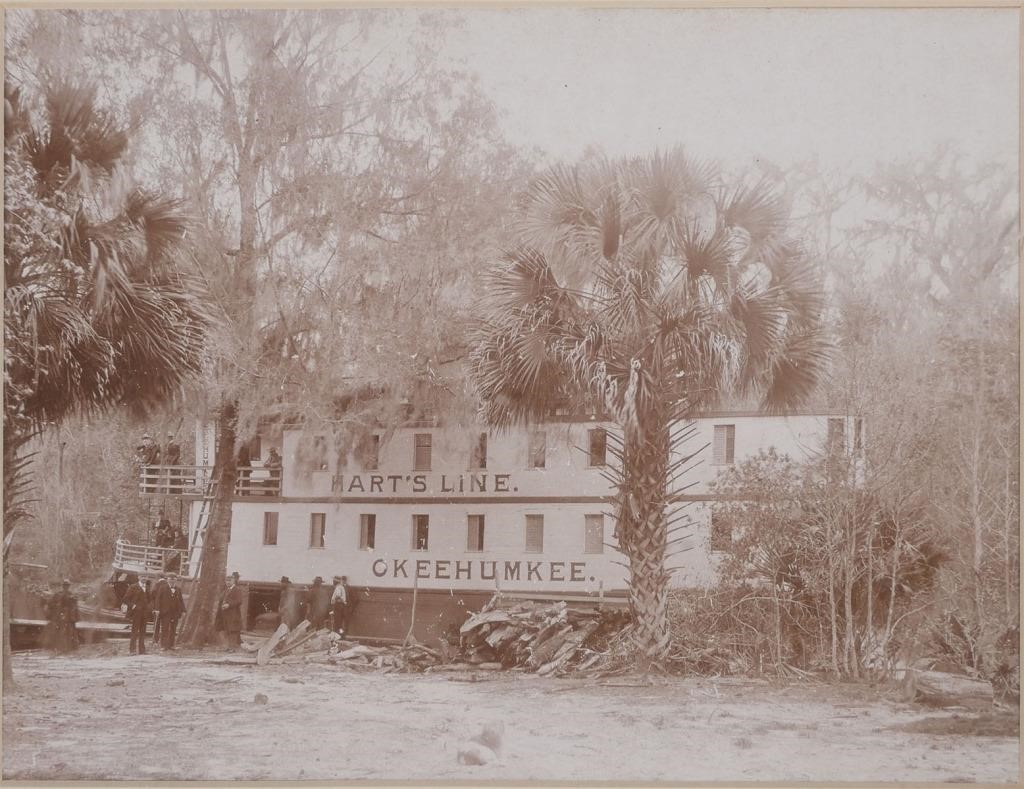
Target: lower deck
{"points": [[392, 613]]}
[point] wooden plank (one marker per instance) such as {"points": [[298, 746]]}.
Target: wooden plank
{"points": [[486, 618], [263, 654], [296, 644], [300, 630]]}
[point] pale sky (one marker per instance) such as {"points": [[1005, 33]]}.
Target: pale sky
{"points": [[850, 86]]}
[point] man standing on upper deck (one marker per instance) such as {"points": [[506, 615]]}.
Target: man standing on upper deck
{"points": [[172, 457], [273, 466], [150, 459]]}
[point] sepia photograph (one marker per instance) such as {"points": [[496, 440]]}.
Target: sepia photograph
{"points": [[462, 394]]}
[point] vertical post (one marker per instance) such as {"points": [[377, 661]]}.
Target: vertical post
{"points": [[412, 619], [245, 606], [600, 594]]}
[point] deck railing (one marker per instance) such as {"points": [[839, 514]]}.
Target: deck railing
{"points": [[150, 559], [194, 480]]}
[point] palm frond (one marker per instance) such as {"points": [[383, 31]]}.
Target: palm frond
{"points": [[797, 369], [755, 208]]}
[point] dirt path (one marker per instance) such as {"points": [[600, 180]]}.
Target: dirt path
{"points": [[188, 718]]}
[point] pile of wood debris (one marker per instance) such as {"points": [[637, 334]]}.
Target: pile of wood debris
{"points": [[410, 658], [284, 642], [545, 638]]}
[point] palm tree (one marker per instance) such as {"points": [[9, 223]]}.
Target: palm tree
{"points": [[648, 288], [99, 311]]}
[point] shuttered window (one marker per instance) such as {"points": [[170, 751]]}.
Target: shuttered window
{"points": [[317, 529], [534, 534], [721, 532], [421, 452], [858, 434], [538, 449], [598, 447], [420, 532], [475, 533], [724, 445], [367, 531], [479, 458], [593, 538], [270, 528]]}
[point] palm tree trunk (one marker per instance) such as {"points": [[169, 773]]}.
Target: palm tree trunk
{"points": [[8, 669], [202, 608], [17, 487], [643, 527]]}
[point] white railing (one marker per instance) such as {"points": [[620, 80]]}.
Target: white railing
{"points": [[193, 481], [150, 559], [173, 480]]}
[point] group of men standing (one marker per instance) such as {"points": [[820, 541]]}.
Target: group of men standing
{"points": [[165, 600], [318, 604], [151, 454], [323, 606]]}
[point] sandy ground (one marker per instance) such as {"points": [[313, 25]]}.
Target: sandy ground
{"points": [[188, 717]]}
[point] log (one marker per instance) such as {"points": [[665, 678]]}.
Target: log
{"points": [[937, 688], [268, 646]]}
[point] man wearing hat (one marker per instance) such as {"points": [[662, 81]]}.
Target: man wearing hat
{"points": [[174, 607], [289, 607], [172, 457], [230, 612], [159, 596], [150, 459], [137, 606], [318, 605], [339, 604], [62, 611]]}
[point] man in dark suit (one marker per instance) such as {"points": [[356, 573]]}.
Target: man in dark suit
{"points": [[172, 457], [158, 597], [174, 607], [231, 612], [290, 606], [137, 606], [62, 611], [318, 603]]}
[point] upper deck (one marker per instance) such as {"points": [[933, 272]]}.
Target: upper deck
{"points": [[556, 461]]}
